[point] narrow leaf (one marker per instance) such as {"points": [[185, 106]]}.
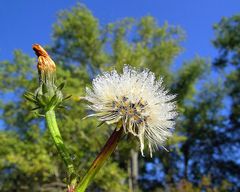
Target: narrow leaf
{"points": [[60, 87], [30, 98], [35, 108], [67, 97]]}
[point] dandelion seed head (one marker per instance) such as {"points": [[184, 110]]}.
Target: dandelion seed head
{"points": [[137, 100]]}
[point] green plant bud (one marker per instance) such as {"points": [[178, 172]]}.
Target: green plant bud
{"points": [[47, 96]]}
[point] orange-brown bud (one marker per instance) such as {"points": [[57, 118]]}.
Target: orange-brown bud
{"points": [[45, 63]]}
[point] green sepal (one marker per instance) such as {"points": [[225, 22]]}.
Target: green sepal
{"points": [[30, 97], [67, 97], [53, 101], [44, 88], [60, 87], [40, 100], [47, 96], [35, 108], [29, 93], [39, 115]]}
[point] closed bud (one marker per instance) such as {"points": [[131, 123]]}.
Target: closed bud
{"points": [[47, 96], [46, 66]]}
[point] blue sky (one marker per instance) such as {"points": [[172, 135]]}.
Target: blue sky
{"points": [[25, 22]]}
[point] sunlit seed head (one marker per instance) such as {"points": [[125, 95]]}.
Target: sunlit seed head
{"points": [[136, 100]]}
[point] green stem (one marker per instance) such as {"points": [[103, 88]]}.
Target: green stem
{"points": [[105, 153], [57, 138]]}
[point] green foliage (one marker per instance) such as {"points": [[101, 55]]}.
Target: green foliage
{"points": [[16, 74], [187, 77], [78, 29], [23, 164], [82, 48], [227, 42]]}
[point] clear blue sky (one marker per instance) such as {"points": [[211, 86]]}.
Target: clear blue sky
{"points": [[24, 22]]}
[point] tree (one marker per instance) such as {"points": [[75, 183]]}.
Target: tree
{"points": [[227, 42], [82, 48]]}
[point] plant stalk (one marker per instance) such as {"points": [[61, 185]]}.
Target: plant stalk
{"points": [[105, 153], [58, 141]]}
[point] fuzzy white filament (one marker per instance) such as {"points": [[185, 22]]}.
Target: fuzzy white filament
{"points": [[135, 99]]}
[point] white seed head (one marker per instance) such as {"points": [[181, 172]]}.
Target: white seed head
{"points": [[137, 100]]}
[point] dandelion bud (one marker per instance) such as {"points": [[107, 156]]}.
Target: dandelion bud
{"points": [[46, 66], [47, 96]]}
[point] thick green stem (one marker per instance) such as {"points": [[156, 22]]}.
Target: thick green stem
{"points": [[57, 138], [105, 153]]}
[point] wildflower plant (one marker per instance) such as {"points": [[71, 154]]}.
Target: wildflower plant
{"points": [[135, 102]]}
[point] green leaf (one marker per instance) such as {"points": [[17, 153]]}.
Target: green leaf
{"points": [[61, 86]]}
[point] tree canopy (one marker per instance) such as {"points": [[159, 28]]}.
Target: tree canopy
{"points": [[201, 152]]}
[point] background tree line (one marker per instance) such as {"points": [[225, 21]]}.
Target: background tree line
{"points": [[204, 151]]}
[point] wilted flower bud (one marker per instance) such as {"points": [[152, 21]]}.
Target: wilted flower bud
{"points": [[46, 66], [47, 95]]}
